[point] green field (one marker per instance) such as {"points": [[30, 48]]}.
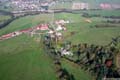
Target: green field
{"points": [[22, 58], [85, 32], [4, 18], [74, 69], [26, 22]]}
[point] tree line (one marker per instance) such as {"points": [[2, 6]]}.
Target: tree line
{"points": [[98, 60]]}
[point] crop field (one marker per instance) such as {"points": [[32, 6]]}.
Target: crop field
{"points": [[23, 58]]}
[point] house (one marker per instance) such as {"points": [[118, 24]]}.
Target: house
{"points": [[105, 6], [66, 52], [80, 6]]}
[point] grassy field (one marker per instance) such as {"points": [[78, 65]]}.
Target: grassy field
{"points": [[62, 6], [102, 12], [22, 58], [85, 32], [4, 18], [77, 72], [26, 22]]}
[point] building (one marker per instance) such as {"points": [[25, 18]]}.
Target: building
{"points": [[105, 6], [80, 6], [109, 6]]}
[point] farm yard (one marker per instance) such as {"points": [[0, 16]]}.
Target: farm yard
{"points": [[24, 58]]}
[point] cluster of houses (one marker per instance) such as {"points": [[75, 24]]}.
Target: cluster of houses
{"points": [[24, 5], [29, 30], [30, 4], [109, 6], [59, 27], [81, 5], [55, 32], [43, 5]]}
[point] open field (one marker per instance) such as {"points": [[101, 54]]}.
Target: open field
{"points": [[26, 22], [4, 18], [22, 58], [85, 32], [101, 12], [76, 70]]}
